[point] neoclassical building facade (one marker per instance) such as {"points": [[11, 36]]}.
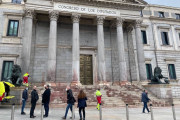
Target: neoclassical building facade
{"points": [[89, 41]]}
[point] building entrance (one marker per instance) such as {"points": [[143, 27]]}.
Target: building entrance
{"points": [[86, 70]]}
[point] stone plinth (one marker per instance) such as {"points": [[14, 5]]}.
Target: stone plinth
{"points": [[17, 92], [164, 91]]}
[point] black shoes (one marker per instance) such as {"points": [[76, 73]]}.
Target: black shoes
{"points": [[45, 116], [23, 113], [32, 116], [63, 118]]}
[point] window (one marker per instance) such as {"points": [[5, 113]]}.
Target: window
{"points": [[161, 14], [165, 39], [149, 71], [16, 1], [6, 70], [178, 16], [172, 72], [144, 37], [13, 28]]}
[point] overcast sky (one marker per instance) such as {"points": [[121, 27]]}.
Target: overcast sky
{"points": [[174, 3]]}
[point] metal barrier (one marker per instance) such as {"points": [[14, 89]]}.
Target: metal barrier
{"points": [[173, 110], [12, 111], [127, 112], [42, 111], [152, 116], [100, 112]]}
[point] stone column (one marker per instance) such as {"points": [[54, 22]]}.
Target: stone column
{"points": [[75, 49], [140, 51], [101, 55], [27, 40], [121, 51], [51, 72]]}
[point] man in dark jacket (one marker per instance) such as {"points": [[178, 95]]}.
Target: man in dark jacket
{"points": [[145, 100], [46, 99], [70, 101], [34, 99], [24, 99]]}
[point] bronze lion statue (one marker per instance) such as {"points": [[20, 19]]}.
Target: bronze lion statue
{"points": [[15, 77], [157, 76]]}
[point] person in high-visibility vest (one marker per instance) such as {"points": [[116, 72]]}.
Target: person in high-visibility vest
{"points": [[98, 96], [25, 78]]}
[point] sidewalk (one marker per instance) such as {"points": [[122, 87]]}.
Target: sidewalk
{"points": [[93, 114]]}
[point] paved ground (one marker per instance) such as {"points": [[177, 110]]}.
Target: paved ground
{"points": [[92, 114]]}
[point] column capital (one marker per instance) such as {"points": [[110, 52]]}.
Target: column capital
{"points": [[129, 28], [75, 17], [100, 20], [53, 15], [29, 13], [119, 21], [138, 23]]}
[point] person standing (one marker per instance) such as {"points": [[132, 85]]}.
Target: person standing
{"points": [[145, 100], [24, 99], [70, 101], [46, 99], [98, 96], [82, 103], [34, 99]]}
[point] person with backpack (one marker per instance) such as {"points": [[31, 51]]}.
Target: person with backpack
{"points": [[70, 101]]}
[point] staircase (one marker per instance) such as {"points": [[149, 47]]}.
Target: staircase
{"points": [[112, 96]]}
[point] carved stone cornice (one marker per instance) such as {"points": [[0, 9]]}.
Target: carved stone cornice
{"points": [[53, 15], [119, 21], [138, 23], [75, 17], [116, 4], [100, 20], [29, 13]]}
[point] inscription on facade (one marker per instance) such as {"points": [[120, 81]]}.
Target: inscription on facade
{"points": [[86, 9]]}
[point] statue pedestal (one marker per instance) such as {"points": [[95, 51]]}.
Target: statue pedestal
{"points": [[17, 92], [160, 90], [164, 91]]}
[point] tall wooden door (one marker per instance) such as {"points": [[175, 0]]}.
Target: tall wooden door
{"points": [[86, 70]]}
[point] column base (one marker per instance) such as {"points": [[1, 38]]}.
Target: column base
{"points": [[76, 83], [121, 83], [103, 83]]}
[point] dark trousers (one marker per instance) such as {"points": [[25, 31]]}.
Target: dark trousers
{"points": [[145, 107], [46, 107], [67, 109], [33, 106], [23, 105], [82, 109]]}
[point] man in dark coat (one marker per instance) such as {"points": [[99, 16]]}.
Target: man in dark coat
{"points": [[145, 100], [24, 99], [46, 99], [70, 101], [34, 99]]}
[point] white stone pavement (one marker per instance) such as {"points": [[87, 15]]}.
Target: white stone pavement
{"points": [[92, 114]]}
